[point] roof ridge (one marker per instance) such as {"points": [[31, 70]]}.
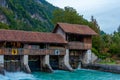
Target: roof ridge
{"points": [[72, 24], [29, 36], [24, 31], [76, 29]]}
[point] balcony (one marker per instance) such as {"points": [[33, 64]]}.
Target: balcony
{"points": [[79, 45], [22, 51]]}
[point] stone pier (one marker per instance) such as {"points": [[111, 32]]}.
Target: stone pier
{"points": [[66, 61], [46, 64], [2, 64], [25, 64]]}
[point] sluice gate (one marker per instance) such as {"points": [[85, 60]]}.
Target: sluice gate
{"points": [[35, 63], [12, 63], [56, 62]]}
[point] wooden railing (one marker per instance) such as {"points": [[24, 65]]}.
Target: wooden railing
{"points": [[79, 45], [22, 51]]}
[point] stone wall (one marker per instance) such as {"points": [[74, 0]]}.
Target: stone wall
{"points": [[103, 67]]}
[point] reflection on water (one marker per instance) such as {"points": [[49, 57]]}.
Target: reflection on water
{"points": [[81, 74]]}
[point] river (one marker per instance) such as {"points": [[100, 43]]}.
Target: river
{"points": [[81, 74]]}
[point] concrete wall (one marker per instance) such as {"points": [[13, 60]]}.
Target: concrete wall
{"points": [[46, 64], [46, 59], [2, 64], [1, 60], [104, 67], [66, 60], [25, 64], [25, 59]]}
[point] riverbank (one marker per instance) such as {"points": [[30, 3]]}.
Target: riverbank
{"points": [[103, 67]]}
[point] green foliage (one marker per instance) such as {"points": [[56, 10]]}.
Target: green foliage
{"points": [[68, 15], [108, 61], [115, 44], [100, 55], [3, 26], [102, 32], [19, 15], [111, 44], [95, 51], [118, 29]]}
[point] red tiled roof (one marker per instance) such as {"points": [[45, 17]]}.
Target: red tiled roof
{"points": [[76, 29], [27, 36]]}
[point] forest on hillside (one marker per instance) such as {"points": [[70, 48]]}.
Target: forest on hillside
{"points": [[105, 46], [30, 15]]}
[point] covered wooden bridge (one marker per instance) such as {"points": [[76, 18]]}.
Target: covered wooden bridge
{"points": [[32, 51]]}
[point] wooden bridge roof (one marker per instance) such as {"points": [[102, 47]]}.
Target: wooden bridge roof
{"points": [[27, 36], [75, 29]]}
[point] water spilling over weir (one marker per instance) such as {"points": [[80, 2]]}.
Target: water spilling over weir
{"points": [[81, 74]]}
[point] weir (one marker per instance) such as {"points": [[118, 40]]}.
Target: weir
{"points": [[38, 51]]}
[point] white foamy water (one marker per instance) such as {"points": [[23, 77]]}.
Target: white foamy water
{"points": [[16, 76], [79, 66]]}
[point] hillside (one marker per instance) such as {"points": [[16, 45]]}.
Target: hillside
{"points": [[27, 15]]}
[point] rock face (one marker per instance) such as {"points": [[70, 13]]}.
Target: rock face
{"points": [[3, 19], [3, 3], [89, 57], [30, 15]]}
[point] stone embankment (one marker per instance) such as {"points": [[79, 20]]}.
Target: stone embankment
{"points": [[103, 67]]}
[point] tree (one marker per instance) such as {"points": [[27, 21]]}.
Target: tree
{"points": [[118, 28], [68, 15], [97, 41], [114, 45]]}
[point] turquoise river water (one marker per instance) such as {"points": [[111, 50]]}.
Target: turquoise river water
{"points": [[81, 74]]}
